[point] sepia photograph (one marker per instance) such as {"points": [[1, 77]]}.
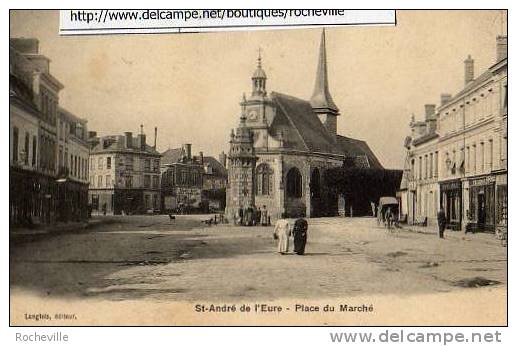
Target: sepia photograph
{"points": [[319, 175]]}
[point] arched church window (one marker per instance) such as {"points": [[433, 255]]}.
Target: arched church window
{"points": [[264, 180], [294, 183]]}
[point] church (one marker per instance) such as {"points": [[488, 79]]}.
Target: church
{"points": [[283, 146]]}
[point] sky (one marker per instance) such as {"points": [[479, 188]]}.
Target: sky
{"points": [[190, 85]]}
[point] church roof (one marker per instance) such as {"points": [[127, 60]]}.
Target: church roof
{"points": [[259, 73], [307, 133], [358, 148]]}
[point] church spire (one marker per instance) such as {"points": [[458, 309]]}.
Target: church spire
{"points": [[321, 99]]}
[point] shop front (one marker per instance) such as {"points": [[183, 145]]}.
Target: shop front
{"points": [[451, 202], [502, 199], [482, 203], [72, 200], [501, 186], [32, 198]]}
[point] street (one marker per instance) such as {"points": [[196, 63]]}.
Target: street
{"points": [[156, 258]]}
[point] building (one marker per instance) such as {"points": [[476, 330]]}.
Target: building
{"points": [[463, 163], [124, 174], [72, 162], [182, 179], [423, 198], [216, 174], [33, 106], [283, 146], [215, 179]]}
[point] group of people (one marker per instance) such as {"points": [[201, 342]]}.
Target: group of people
{"points": [[283, 232], [252, 216]]}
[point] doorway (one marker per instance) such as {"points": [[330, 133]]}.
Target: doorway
{"points": [[481, 209], [315, 188]]}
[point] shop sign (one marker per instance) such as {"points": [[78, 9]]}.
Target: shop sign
{"points": [[451, 185], [483, 181]]}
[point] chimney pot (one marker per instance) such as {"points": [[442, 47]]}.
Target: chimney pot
{"points": [[429, 111], [141, 141], [445, 98], [129, 139], [155, 135], [188, 151], [469, 70], [501, 47]]}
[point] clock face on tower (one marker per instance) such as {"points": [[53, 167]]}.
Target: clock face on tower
{"points": [[252, 115]]}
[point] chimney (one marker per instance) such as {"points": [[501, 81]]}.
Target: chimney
{"points": [[501, 47], [129, 139], [222, 159], [469, 70], [430, 119], [429, 111], [142, 141], [155, 135], [445, 98], [188, 151], [25, 45], [201, 157], [141, 138]]}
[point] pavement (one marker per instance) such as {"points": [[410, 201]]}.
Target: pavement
{"points": [[154, 258], [486, 237]]}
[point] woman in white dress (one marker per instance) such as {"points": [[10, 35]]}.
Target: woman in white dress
{"points": [[282, 232]]}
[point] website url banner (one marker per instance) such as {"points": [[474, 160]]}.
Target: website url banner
{"points": [[91, 22]]}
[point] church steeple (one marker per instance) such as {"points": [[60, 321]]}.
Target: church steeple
{"points": [[321, 100], [259, 79]]}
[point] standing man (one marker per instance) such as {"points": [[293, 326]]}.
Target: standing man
{"points": [[264, 216], [258, 216], [441, 222], [241, 215], [282, 232], [300, 235]]}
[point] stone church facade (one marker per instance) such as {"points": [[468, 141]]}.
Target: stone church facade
{"points": [[282, 147]]}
